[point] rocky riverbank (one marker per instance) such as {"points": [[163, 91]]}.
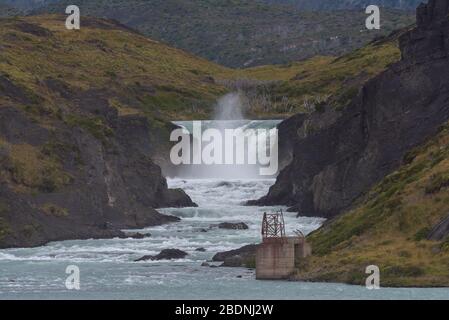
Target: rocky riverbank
{"points": [[379, 170], [339, 155], [77, 153], [65, 183]]}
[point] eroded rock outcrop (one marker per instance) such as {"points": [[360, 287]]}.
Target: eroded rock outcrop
{"points": [[166, 254], [232, 226], [337, 160], [83, 177], [65, 183], [440, 231], [242, 257]]}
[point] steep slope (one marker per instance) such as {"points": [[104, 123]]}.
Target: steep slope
{"points": [[306, 86], [160, 80], [401, 226], [242, 33], [340, 155], [83, 116]]}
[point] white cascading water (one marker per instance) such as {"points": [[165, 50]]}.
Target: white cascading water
{"points": [[108, 270], [230, 107], [229, 115]]}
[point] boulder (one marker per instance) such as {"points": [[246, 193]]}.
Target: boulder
{"points": [[440, 231], [144, 258], [242, 257], [166, 254], [137, 235], [233, 226]]}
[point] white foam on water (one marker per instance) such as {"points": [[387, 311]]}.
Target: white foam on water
{"points": [[108, 269]]}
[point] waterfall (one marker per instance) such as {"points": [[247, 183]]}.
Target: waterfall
{"points": [[230, 107], [230, 147]]}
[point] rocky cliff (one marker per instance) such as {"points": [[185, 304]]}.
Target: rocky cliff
{"points": [[339, 156], [63, 183], [76, 144]]}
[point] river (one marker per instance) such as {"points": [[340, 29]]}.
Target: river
{"points": [[108, 271]]}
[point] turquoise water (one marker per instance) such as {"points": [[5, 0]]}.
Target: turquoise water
{"points": [[107, 270]]}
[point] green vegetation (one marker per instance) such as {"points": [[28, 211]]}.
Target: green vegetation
{"points": [[30, 170], [95, 126], [57, 151], [53, 210], [389, 228], [437, 182], [243, 33], [51, 68], [4, 228], [308, 85], [135, 75]]}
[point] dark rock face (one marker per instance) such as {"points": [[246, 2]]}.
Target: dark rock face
{"points": [[440, 231], [112, 182], [339, 157], [434, 12], [243, 257], [136, 236], [9, 89], [167, 254], [233, 226], [33, 29]]}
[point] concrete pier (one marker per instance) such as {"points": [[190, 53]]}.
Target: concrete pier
{"points": [[277, 258]]}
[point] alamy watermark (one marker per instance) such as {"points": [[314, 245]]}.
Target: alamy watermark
{"points": [[73, 21], [216, 146], [73, 280], [373, 280], [373, 21]]}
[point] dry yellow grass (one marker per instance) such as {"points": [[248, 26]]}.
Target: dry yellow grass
{"points": [[389, 228]]}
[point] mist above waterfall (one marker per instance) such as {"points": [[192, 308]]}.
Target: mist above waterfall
{"points": [[231, 107], [229, 146]]}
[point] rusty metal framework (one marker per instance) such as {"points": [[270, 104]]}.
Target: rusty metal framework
{"points": [[273, 225]]}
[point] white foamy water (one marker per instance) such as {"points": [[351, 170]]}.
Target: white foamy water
{"points": [[257, 136], [108, 271]]}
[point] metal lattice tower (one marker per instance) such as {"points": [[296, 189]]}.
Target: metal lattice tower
{"points": [[273, 225]]}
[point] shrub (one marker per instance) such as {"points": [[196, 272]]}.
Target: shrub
{"points": [[4, 228], [403, 271], [437, 182], [54, 210], [422, 234]]}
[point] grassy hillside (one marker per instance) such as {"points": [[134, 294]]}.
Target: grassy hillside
{"points": [[84, 117], [390, 227], [141, 75], [48, 63], [305, 86], [242, 33]]}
